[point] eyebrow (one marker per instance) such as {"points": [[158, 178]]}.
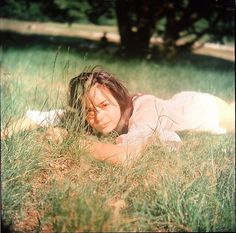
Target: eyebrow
{"points": [[102, 102]]}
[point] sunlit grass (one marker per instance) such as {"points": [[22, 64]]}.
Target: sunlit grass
{"points": [[189, 190]]}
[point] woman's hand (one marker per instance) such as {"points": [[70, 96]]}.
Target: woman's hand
{"points": [[4, 135], [112, 153], [56, 134]]}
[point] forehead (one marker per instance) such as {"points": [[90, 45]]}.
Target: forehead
{"points": [[97, 94]]}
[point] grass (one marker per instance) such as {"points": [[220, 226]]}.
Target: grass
{"points": [[48, 187]]}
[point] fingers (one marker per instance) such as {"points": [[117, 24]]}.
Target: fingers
{"points": [[6, 133], [3, 135], [56, 135]]}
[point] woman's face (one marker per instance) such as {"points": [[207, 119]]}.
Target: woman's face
{"points": [[102, 110]]}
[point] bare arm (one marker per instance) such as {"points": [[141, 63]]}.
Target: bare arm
{"points": [[112, 153], [19, 125]]}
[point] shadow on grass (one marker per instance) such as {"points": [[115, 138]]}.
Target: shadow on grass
{"points": [[25, 41], [6, 228]]}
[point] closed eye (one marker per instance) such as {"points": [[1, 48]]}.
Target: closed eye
{"points": [[90, 113], [103, 105], [90, 110]]}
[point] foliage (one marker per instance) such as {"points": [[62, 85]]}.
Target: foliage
{"points": [[179, 23], [55, 10]]}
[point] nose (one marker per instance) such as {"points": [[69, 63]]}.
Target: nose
{"points": [[99, 115]]}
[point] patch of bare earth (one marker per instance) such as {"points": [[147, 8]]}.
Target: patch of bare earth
{"points": [[116, 203], [57, 168]]}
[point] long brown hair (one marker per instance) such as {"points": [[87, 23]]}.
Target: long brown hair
{"points": [[81, 84]]}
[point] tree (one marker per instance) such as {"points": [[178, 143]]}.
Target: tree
{"points": [[180, 23], [191, 20], [136, 25]]}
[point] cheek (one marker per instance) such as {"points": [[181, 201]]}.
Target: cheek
{"points": [[90, 120], [115, 113]]}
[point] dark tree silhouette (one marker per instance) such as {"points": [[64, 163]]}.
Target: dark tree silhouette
{"points": [[179, 23], [136, 23]]}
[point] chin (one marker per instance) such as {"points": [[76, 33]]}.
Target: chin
{"points": [[106, 130]]}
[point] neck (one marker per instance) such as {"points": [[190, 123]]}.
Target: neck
{"points": [[123, 124]]}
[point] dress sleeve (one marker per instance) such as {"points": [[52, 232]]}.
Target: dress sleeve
{"points": [[46, 119], [142, 134], [149, 121]]}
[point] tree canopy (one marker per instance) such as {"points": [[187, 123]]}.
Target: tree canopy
{"points": [[179, 23]]}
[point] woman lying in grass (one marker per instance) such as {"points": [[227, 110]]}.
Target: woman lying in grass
{"points": [[104, 105]]}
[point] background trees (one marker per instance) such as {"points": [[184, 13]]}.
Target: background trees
{"points": [[178, 23]]}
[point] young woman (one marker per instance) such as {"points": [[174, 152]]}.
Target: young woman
{"points": [[103, 105]]}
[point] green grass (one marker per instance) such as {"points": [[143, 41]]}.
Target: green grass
{"points": [[60, 188]]}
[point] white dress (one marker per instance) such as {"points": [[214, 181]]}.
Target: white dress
{"points": [[157, 118]]}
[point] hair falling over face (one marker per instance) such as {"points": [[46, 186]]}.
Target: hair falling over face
{"points": [[80, 86]]}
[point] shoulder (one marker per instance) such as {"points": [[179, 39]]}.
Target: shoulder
{"points": [[191, 94], [145, 110], [143, 100], [147, 105]]}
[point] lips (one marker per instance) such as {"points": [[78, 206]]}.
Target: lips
{"points": [[102, 126]]}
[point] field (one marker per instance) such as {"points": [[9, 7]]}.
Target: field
{"points": [[50, 187]]}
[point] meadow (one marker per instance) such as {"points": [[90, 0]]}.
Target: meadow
{"points": [[50, 187]]}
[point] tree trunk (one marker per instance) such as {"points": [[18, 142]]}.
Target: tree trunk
{"points": [[134, 33]]}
